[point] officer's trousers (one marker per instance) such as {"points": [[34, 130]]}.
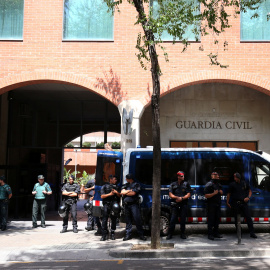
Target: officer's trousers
{"points": [[178, 211], [71, 208], [3, 213], [92, 220], [213, 214], [39, 204], [133, 211], [243, 209], [106, 215]]}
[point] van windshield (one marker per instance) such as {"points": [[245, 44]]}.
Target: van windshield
{"points": [[260, 175]]}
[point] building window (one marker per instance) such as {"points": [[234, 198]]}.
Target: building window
{"points": [[256, 29], [189, 35], [249, 145], [11, 19], [87, 20]]}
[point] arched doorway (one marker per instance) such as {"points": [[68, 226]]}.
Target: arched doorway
{"points": [[212, 115], [42, 118]]}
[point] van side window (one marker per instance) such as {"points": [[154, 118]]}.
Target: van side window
{"points": [[260, 175], [224, 167], [169, 168]]}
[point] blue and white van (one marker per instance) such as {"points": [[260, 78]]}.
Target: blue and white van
{"points": [[197, 163]]}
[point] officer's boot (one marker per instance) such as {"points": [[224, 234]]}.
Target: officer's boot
{"points": [[75, 230], [112, 235], [103, 237], [63, 230]]}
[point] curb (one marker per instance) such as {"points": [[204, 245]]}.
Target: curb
{"points": [[189, 253]]}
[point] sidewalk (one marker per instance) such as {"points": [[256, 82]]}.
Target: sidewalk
{"points": [[24, 244], [21, 243]]}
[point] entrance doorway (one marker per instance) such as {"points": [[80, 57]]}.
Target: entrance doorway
{"points": [[42, 119], [249, 145]]}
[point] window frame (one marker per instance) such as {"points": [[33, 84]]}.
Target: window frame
{"points": [[12, 38], [179, 41], [252, 40], [85, 39]]}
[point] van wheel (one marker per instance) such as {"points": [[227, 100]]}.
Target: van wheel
{"points": [[164, 223]]}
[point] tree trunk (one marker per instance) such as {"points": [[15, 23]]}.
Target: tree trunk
{"points": [[155, 104]]}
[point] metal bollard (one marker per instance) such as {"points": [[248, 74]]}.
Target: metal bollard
{"points": [[239, 229]]}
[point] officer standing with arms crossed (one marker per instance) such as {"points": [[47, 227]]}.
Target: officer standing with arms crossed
{"points": [[110, 195], [239, 194], [5, 195], [179, 192], [90, 189], [40, 190], [130, 191], [70, 192], [213, 192]]}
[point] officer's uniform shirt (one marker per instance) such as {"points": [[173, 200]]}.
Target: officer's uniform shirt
{"points": [[5, 190], [239, 191], [209, 188], [136, 187], [180, 190], [90, 184], [71, 188], [39, 188], [106, 189]]}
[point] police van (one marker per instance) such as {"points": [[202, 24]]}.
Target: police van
{"points": [[198, 164]]}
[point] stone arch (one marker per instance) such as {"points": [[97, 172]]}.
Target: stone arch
{"points": [[253, 81], [112, 93]]}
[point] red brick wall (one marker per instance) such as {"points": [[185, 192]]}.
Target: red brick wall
{"points": [[43, 56]]}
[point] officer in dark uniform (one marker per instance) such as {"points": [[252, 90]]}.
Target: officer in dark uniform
{"points": [[131, 191], [179, 192], [238, 196], [109, 195], [70, 196], [90, 189], [213, 192], [5, 195]]}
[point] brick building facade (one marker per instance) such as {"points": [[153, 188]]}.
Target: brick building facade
{"points": [[107, 72]]}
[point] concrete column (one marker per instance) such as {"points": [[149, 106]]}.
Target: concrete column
{"points": [[131, 140]]}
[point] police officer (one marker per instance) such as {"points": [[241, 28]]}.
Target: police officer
{"points": [[90, 189], [238, 196], [70, 192], [179, 192], [109, 195], [5, 195], [130, 192], [213, 192], [40, 190]]}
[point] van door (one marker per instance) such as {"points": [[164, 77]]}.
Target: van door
{"points": [[225, 164], [260, 186], [108, 163]]}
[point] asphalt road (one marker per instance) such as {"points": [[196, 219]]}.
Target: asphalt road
{"points": [[198, 263]]}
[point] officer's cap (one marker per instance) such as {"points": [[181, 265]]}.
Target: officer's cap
{"points": [[129, 176], [40, 177], [237, 175]]}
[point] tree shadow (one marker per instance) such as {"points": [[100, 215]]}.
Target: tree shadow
{"points": [[163, 91], [112, 86]]}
